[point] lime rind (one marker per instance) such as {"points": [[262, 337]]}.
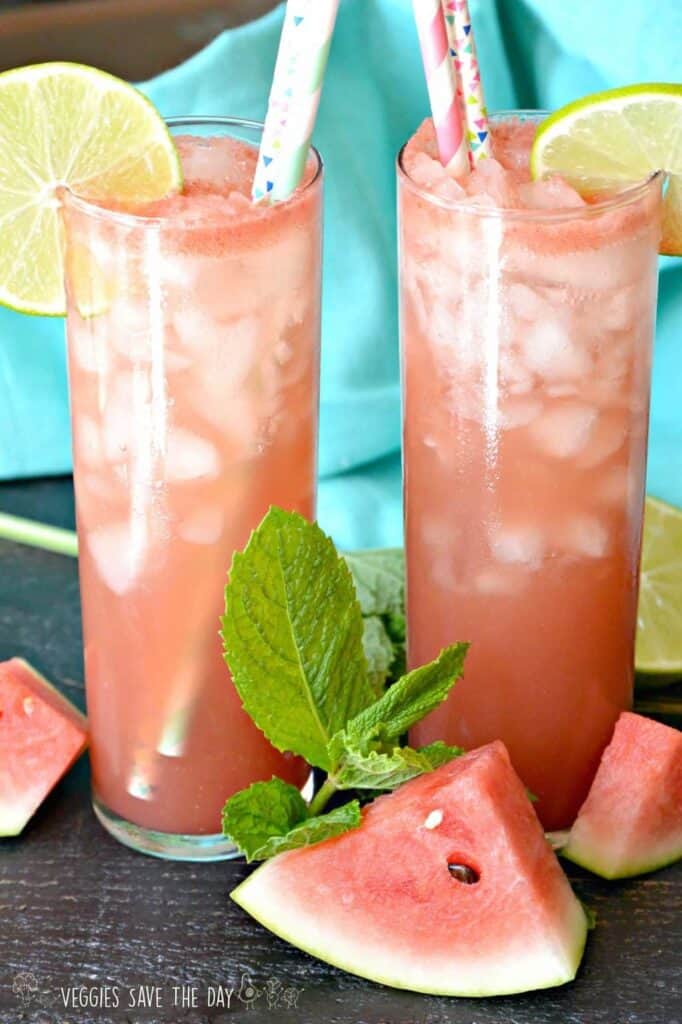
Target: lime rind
{"points": [[617, 138], [659, 617], [70, 126]]}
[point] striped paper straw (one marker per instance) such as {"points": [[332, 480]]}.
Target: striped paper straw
{"points": [[441, 84], [469, 86], [294, 98]]}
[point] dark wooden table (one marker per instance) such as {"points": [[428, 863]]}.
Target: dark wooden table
{"points": [[77, 910]]}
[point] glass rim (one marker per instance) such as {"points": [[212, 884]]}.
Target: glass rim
{"points": [[622, 198], [179, 121]]}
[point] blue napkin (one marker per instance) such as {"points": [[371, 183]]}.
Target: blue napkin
{"points": [[535, 53]]}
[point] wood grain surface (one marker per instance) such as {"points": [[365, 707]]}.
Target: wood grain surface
{"points": [[77, 910]]}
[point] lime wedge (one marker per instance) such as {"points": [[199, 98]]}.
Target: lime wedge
{"points": [[617, 138], [69, 126], [659, 619]]}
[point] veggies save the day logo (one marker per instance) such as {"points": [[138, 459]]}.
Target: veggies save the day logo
{"points": [[25, 986]]}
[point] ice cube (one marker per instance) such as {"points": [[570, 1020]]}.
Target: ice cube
{"points": [[523, 545], [514, 374], [491, 181], [203, 525], [125, 407], [595, 270], [90, 344], [550, 194], [87, 440], [447, 188], [552, 350], [443, 573], [585, 536], [616, 355], [438, 534], [116, 559], [176, 362], [518, 411], [620, 309], [431, 175], [563, 429], [190, 457], [496, 582], [230, 345], [212, 160], [129, 329], [526, 303], [613, 487], [607, 437]]}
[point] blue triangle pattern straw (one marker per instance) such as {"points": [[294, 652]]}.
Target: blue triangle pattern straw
{"points": [[294, 98]]}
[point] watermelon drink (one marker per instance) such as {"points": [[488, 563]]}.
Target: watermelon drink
{"points": [[527, 325], [193, 337]]}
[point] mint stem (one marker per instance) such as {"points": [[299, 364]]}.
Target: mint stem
{"points": [[38, 535], [322, 798]]}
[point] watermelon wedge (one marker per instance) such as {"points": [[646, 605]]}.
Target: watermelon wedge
{"points": [[447, 887], [631, 821], [41, 735]]}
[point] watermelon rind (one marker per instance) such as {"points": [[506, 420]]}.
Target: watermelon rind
{"points": [[13, 818], [631, 821], [548, 969], [587, 856], [373, 902]]}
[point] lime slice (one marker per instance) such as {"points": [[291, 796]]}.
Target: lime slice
{"points": [[659, 619], [613, 139], [69, 126]]}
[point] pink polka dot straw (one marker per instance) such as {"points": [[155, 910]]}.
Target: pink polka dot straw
{"points": [[442, 85], [468, 77]]}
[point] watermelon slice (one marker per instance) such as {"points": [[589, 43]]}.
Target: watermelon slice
{"points": [[41, 735], [631, 821], [447, 887]]}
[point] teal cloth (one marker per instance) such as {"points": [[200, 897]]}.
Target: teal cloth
{"points": [[534, 53]]}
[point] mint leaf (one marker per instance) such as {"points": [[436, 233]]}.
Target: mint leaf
{"points": [[439, 753], [271, 817], [408, 700], [379, 580], [380, 585], [379, 652], [313, 830], [265, 810], [292, 635], [377, 770]]}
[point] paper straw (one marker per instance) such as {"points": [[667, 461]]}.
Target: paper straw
{"points": [[442, 86], [38, 535], [294, 98], [470, 88]]}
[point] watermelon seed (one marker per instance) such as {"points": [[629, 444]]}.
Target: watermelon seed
{"points": [[463, 873]]}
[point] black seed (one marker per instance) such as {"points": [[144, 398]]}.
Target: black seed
{"points": [[464, 873]]}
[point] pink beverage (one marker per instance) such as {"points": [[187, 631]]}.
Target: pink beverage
{"points": [[193, 336], [527, 325]]}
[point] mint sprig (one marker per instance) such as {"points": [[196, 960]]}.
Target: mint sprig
{"points": [[296, 645]]}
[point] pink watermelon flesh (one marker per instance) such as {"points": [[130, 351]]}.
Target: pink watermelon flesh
{"points": [[631, 821], [41, 735], [381, 902]]}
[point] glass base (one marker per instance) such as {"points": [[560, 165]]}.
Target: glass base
{"points": [[165, 845]]}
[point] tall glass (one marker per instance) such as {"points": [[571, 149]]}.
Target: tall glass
{"points": [[193, 342], [526, 352]]}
